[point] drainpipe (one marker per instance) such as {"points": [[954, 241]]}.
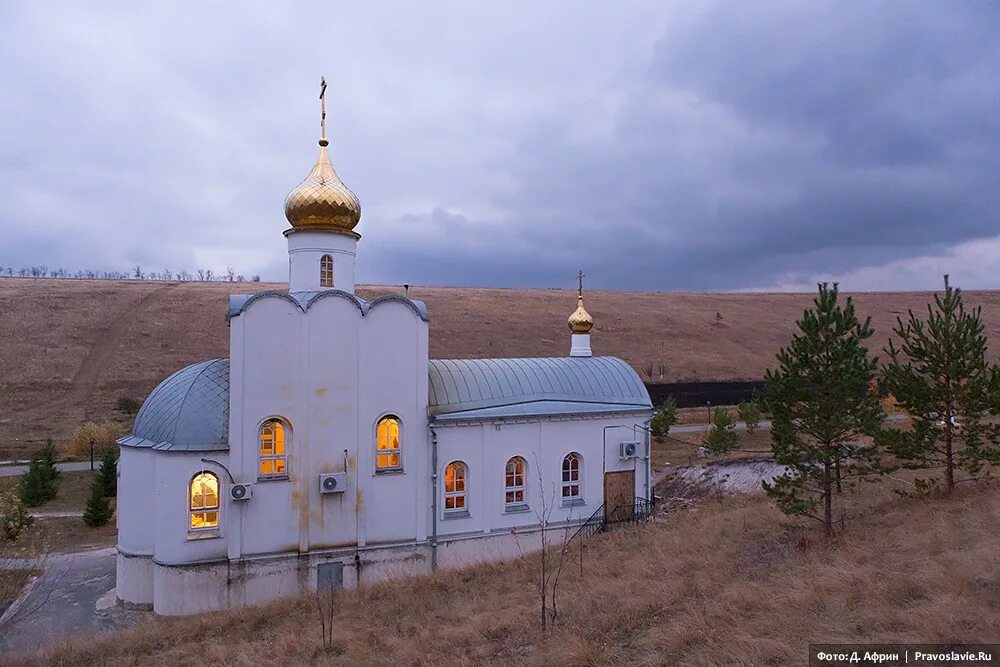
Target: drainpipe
{"points": [[649, 455], [434, 495]]}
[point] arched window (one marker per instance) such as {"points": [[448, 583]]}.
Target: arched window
{"points": [[203, 501], [273, 455], [571, 476], [454, 487], [514, 485], [387, 444], [326, 271]]}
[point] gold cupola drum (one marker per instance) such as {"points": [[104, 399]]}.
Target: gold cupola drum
{"points": [[322, 202]]}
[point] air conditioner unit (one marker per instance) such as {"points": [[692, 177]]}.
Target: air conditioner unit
{"points": [[333, 482], [241, 491], [629, 449]]}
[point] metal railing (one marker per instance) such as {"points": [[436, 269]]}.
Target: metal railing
{"points": [[638, 511]]}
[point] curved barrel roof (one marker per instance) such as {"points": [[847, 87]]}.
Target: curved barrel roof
{"points": [[486, 388], [189, 411]]}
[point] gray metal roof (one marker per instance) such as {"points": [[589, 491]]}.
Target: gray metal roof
{"points": [[490, 388], [189, 411], [238, 303]]}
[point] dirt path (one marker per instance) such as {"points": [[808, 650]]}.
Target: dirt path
{"points": [[84, 382]]}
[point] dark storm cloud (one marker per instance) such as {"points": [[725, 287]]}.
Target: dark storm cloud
{"points": [[697, 146]]}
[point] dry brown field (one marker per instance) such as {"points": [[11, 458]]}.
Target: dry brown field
{"points": [[713, 586], [70, 348]]}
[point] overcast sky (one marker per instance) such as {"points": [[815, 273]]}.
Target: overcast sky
{"points": [[680, 146]]}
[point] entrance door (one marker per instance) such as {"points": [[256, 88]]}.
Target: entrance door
{"points": [[619, 492]]}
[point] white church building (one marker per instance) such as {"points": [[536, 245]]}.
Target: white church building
{"points": [[329, 450]]}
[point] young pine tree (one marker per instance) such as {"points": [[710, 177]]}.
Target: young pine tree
{"points": [[40, 483], [818, 399], [940, 376], [750, 414], [664, 419], [722, 437], [108, 472], [98, 510]]}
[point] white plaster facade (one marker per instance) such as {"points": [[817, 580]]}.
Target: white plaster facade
{"points": [[329, 366]]}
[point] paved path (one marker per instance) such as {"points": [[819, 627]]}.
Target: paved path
{"points": [[60, 602], [69, 466]]}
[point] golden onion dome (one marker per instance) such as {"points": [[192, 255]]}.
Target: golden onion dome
{"points": [[322, 201], [580, 321]]}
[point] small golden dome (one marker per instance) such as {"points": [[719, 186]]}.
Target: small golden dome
{"points": [[580, 321], [322, 201]]}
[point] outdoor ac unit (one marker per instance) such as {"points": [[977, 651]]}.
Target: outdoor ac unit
{"points": [[628, 450], [241, 491], [333, 482]]}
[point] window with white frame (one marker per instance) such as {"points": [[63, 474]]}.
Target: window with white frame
{"points": [[387, 449], [273, 452], [454, 487], [514, 482], [203, 501], [571, 477], [326, 271]]}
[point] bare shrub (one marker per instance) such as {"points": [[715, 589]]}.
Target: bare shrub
{"points": [[104, 435]]}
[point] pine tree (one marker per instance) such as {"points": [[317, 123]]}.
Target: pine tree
{"points": [[818, 400], [98, 510], [940, 376], [722, 437], [40, 483], [750, 415], [664, 419], [108, 472]]}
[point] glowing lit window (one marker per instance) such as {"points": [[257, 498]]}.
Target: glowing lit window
{"points": [[326, 271], [454, 487], [204, 501], [571, 476], [387, 444], [514, 482], [273, 457]]}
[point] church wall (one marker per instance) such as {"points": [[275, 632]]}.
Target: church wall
{"points": [[393, 357], [222, 584], [486, 448], [175, 542], [324, 371], [331, 370], [136, 536], [266, 367]]}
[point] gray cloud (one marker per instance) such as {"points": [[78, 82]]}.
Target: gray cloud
{"points": [[706, 146]]}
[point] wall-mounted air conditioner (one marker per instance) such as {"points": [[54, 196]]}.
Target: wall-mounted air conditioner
{"points": [[241, 491], [333, 482], [629, 449]]}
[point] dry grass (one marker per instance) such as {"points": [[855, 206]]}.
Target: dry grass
{"points": [[682, 448], [69, 349], [726, 584]]}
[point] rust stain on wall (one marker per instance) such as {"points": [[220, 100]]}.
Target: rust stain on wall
{"points": [[321, 391]]}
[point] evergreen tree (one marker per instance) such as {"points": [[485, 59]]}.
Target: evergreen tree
{"points": [[664, 418], [818, 398], [108, 472], [98, 510], [722, 437], [750, 415], [41, 483], [940, 376]]}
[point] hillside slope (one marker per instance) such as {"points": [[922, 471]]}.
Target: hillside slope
{"points": [[728, 584], [69, 349]]}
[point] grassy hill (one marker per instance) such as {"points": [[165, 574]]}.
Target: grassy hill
{"points": [[727, 584], [69, 349]]}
